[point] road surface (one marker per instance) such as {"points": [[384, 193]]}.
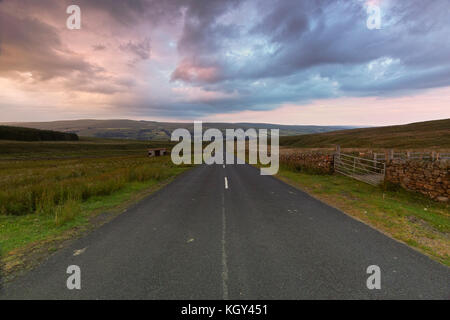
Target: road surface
{"points": [[226, 232]]}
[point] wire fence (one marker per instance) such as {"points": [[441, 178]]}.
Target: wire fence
{"points": [[410, 155]]}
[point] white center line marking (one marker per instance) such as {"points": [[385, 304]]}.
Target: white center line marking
{"points": [[78, 252], [224, 253], [226, 183]]}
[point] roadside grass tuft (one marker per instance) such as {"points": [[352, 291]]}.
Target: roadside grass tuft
{"points": [[66, 212]]}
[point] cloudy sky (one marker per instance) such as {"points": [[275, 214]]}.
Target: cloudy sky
{"points": [[287, 61]]}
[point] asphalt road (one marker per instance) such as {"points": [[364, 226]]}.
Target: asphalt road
{"points": [[229, 233]]}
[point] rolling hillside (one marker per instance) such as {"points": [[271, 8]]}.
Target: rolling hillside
{"points": [[152, 130], [429, 134]]}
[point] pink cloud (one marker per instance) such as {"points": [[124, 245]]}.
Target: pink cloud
{"points": [[189, 72]]}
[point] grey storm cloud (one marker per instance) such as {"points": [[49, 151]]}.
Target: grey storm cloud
{"points": [[140, 49], [34, 47], [259, 53], [39, 52], [305, 50], [307, 34]]}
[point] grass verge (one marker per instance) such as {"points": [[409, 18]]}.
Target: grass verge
{"points": [[409, 217], [28, 235]]}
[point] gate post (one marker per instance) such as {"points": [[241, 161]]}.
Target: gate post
{"points": [[336, 157]]}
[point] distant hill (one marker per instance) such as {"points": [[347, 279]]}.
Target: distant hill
{"points": [[152, 130], [429, 134], [28, 134]]}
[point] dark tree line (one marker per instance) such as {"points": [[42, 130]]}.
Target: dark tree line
{"points": [[28, 134]]}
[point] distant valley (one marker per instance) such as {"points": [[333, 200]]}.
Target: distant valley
{"points": [[152, 130]]}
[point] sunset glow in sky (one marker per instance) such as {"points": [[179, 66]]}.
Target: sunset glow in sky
{"points": [[287, 62]]}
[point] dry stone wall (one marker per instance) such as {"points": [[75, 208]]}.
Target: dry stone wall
{"points": [[430, 178], [317, 162]]}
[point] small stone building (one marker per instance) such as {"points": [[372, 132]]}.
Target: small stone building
{"points": [[156, 152]]}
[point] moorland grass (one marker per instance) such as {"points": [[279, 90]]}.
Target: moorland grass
{"points": [[421, 136], [41, 187], [40, 199], [85, 148]]}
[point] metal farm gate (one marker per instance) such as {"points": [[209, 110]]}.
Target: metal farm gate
{"points": [[366, 170]]}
